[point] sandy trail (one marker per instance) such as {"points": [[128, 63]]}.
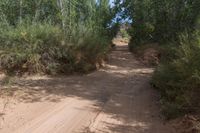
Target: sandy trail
{"points": [[116, 99]]}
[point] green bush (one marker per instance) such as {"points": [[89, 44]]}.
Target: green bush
{"points": [[124, 34], [179, 80], [89, 46], [42, 48], [31, 48], [141, 34]]}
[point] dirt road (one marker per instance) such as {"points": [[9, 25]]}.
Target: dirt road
{"points": [[116, 99]]}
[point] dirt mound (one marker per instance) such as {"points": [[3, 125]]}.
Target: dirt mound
{"points": [[149, 54]]}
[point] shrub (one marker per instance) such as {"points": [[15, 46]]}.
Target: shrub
{"points": [[141, 34], [90, 47], [31, 48], [179, 80], [41, 48], [124, 34]]}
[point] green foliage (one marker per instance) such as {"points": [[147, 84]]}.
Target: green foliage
{"points": [[124, 34], [141, 34], [179, 80], [41, 48], [26, 47], [49, 36], [161, 21]]}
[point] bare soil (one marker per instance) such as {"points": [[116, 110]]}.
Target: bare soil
{"points": [[115, 99]]}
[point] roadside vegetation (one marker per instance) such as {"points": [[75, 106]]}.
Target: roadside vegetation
{"points": [[123, 33], [174, 27], [54, 36]]}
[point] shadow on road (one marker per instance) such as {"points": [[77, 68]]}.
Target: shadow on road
{"points": [[121, 90]]}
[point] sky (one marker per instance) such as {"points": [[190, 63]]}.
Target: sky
{"points": [[118, 15], [111, 3]]}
